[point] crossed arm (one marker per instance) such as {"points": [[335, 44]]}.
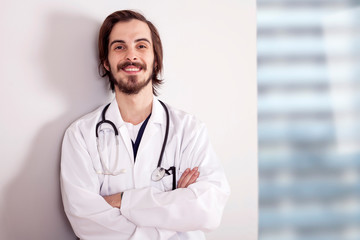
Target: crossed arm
{"points": [[196, 204], [187, 178]]}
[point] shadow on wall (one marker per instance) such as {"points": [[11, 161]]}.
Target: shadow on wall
{"points": [[32, 205]]}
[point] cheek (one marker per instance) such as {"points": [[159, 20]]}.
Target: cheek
{"points": [[114, 59], [147, 57], [150, 61]]}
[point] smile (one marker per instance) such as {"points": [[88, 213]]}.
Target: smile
{"points": [[131, 69]]}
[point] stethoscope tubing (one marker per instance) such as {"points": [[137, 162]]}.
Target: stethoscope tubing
{"points": [[166, 133], [159, 168], [103, 120]]}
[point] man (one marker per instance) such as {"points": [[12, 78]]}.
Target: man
{"points": [[139, 169]]}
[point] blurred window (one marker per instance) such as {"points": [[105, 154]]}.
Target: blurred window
{"points": [[309, 119]]}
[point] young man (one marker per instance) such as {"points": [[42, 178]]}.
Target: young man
{"points": [[137, 168]]}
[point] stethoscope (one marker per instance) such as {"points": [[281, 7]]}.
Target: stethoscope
{"points": [[159, 172]]}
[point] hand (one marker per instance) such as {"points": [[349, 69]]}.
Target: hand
{"points": [[114, 200], [188, 177]]}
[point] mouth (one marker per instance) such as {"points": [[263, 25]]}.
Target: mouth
{"points": [[131, 69]]}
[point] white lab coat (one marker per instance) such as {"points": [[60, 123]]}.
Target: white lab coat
{"points": [[149, 210]]}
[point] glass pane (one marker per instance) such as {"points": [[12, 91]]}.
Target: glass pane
{"points": [[309, 119]]}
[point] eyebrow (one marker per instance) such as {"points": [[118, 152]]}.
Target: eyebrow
{"points": [[143, 39], [137, 40]]}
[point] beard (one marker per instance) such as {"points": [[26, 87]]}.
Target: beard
{"points": [[130, 85]]}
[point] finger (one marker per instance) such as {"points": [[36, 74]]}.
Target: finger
{"points": [[193, 178], [182, 177], [188, 176]]}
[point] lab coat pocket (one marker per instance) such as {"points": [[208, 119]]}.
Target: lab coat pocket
{"points": [[167, 183]]}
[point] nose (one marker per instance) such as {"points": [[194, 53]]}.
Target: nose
{"points": [[131, 55]]}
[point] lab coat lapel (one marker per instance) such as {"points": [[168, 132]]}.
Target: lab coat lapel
{"points": [[156, 125], [113, 114], [127, 140]]}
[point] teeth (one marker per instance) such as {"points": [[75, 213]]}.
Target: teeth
{"points": [[132, 69]]}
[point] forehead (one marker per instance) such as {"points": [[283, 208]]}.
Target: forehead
{"points": [[130, 31]]}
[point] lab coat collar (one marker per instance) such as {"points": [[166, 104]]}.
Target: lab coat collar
{"points": [[113, 114], [157, 119], [157, 113]]}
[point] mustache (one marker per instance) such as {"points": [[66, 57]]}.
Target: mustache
{"points": [[128, 63]]}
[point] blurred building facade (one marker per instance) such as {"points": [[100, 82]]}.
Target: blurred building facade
{"points": [[309, 119]]}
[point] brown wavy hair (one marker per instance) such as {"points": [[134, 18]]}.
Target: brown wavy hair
{"points": [[104, 33]]}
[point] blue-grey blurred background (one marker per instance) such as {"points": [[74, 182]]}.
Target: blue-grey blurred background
{"points": [[309, 119]]}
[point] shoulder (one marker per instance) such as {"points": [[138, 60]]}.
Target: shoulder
{"points": [[189, 130], [86, 121], [183, 121]]}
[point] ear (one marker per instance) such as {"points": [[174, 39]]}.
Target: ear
{"points": [[155, 65], [106, 65]]}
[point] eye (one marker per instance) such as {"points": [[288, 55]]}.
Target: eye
{"points": [[120, 47], [142, 46]]}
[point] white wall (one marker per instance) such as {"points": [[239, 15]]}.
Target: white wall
{"points": [[49, 78]]}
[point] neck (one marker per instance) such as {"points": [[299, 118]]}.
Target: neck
{"points": [[135, 108]]}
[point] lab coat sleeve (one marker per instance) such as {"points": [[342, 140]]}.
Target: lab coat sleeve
{"points": [[90, 215], [198, 207]]}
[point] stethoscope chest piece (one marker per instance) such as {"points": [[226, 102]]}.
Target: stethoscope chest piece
{"points": [[158, 174]]}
